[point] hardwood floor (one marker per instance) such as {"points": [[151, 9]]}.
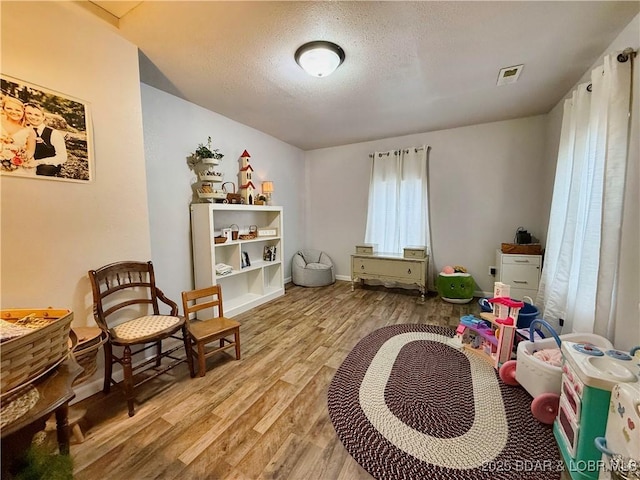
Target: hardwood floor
{"points": [[264, 416]]}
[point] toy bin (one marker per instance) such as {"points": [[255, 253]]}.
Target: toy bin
{"points": [[485, 306], [542, 380], [527, 314]]}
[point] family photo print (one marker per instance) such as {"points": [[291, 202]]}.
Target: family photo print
{"points": [[45, 134]]}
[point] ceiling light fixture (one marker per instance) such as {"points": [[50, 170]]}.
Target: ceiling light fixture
{"points": [[319, 58]]}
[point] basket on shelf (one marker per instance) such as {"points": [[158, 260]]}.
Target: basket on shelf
{"points": [[220, 239], [253, 233], [232, 197], [31, 354]]}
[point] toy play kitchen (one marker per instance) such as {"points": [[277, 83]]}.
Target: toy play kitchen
{"points": [[589, 373], [621, 444], [538, 372]]}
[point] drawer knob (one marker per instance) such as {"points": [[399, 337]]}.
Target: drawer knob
{"points": [[409, 271], [520, 281], [522, 261], [361, 267]]}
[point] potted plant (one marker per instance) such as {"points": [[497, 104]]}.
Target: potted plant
{"points": [[204, 154]]}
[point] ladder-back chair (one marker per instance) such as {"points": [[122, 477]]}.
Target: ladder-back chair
{"points": [[216, 327]]}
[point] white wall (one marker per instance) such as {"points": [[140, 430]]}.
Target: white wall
{"points": [[53, 232], [173, 128], [484, 184], [627, 332]]}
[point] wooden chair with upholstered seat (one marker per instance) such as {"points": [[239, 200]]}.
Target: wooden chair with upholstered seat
{"points": [[126, 307], [216, 327]]}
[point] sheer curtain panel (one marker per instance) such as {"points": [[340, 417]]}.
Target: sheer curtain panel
{"points": [[398, 208], [582, 253]]}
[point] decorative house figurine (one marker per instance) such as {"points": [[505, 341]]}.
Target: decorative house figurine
{"points": [[247, 188]]}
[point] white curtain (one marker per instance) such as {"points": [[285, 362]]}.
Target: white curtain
{"points": [[582, 253], [398, 213]]}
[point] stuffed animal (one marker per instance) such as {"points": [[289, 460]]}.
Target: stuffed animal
{"points": [[455, 284], [455, 269]]}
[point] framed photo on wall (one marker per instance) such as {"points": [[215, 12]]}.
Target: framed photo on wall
{"points": [[45, 134]]}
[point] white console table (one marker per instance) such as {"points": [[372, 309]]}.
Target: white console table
{"points": [[390, 267]]}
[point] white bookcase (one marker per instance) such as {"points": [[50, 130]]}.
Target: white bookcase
{"points": [[245, 287]]}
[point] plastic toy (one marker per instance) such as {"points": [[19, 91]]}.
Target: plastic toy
{"points": [[491, 336], [527, 314], [507, 310], [540, 379], [496, 330]]}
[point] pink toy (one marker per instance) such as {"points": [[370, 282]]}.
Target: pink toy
{"points": [[512, 309], [497, 340], [448, 270]]}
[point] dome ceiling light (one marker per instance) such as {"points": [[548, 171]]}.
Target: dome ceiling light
{"points": [[319, 58]]}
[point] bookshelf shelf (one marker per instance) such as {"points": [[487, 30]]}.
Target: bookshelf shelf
{"points": [[246, 286]]}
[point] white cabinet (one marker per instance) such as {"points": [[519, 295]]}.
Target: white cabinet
{"points": [[521, 272], [246, 286]]}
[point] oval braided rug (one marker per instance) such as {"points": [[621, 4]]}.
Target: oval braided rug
{"points": [[406, 405]]}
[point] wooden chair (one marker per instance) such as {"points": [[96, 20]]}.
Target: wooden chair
{"points": [[203, 332], [126, 308]]}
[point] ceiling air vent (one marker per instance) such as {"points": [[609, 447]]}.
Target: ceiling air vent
{"points": [[509, 74]]}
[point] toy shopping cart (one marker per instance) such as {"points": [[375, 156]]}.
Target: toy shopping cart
{"points": [[543, 380]]}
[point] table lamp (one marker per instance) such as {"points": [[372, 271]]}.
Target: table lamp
{"points": [[267, 190]]}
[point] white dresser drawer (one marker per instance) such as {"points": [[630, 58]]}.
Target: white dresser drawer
{"points": [[366, 248], [415, 252], [388, 268], [520, 293], [519, 276], [534, 260]]}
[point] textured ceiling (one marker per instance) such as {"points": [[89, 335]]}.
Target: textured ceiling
{"points": [[410, 66]]}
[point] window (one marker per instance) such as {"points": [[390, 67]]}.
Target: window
{"points": [[397, 216]]}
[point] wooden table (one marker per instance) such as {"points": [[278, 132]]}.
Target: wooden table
{"points": [[55, 392]]}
